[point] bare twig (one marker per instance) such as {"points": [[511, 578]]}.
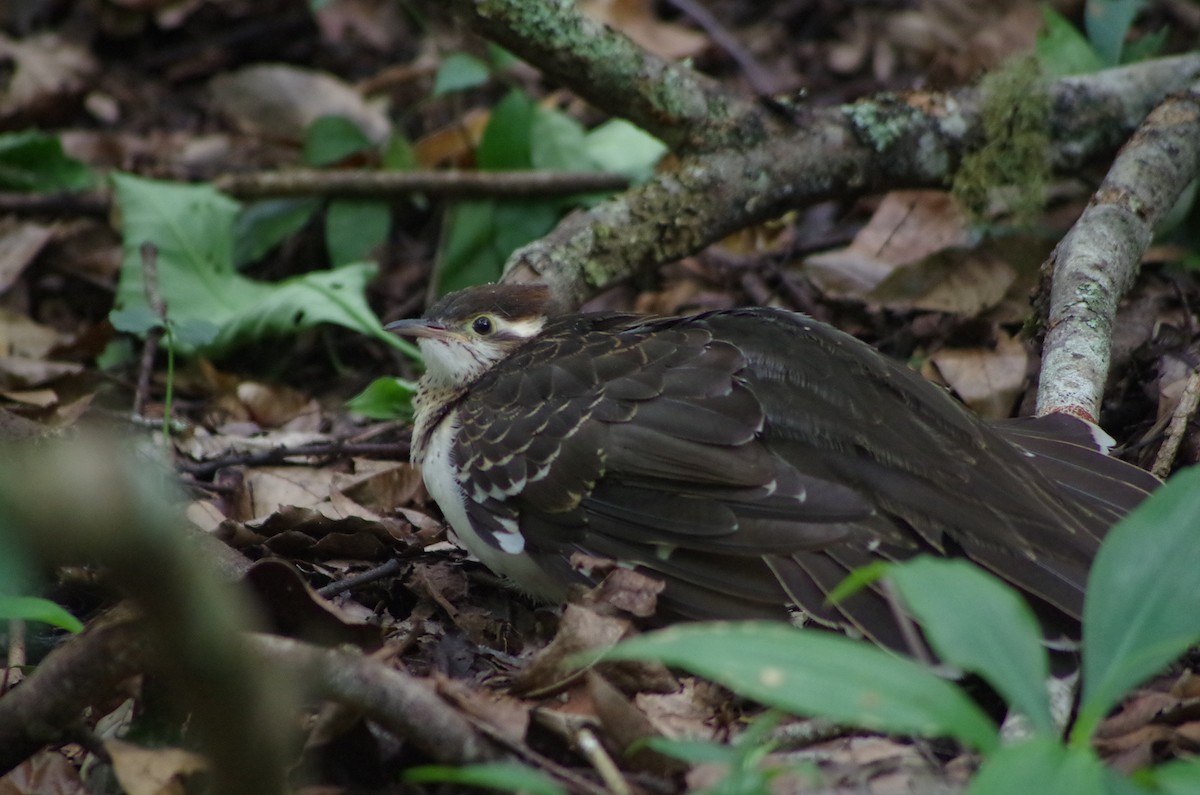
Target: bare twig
{"points": [[760, 80], [1098, 259], [1184, 412], [390, 184]]}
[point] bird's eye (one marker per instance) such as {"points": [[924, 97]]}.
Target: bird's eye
{"points": [[482, 325]]}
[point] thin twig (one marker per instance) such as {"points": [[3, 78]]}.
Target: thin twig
{"points": [[390, 184], [760, 80], [1184, 412], [397, 451]]}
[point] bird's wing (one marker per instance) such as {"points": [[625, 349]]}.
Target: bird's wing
{"points": [[754, 458]]}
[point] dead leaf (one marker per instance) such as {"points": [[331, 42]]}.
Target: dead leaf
{"points": [[46, 773], [907, 227], [637, 20], [278, 101], [987, 380], [46, 72], [20, 243], [152, 771]]}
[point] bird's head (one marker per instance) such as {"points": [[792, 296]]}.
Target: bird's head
{"points": [[465, 333]]}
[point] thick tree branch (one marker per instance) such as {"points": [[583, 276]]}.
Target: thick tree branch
{"points": [[687, 110], [1098, 259], [892, 141]]}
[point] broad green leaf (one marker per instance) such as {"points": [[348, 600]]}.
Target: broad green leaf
{"points": [[354, 228], [505, 144], [384, 399], [620, 147], [331, 139], [263, 225], [468, 253], [1142, 608], [1062, 50], [694, 752], [398, 154], [35, 161], [521, 222], [819, 674], [1107, 23], [1040, 766], [458, 72], [334, 296], [191, 226], [34, 608], [1181, 777], [558, 142], [508, 776], [974, 621], [1149, 46]]}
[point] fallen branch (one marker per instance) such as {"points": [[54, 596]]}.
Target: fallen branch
{"points": [[1097, 261]]}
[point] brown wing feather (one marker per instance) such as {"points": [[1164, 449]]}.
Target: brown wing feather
{"points": [[761, 444]]}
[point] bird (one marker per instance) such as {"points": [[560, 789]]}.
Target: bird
{"points": [[749, 459]]}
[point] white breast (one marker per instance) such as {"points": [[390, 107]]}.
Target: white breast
{"points": [[440, 472]]}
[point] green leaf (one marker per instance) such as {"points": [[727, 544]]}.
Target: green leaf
{"points": [[458, 72], [331, 139], [34, 161], [1107, 23], [1040, 766], [1149, 46], [1062, 50], [384, 399], [817, 673], [1181, 777], [468, 255], [558, 142], [694, 752], [1141, 609], [334, 296], [509, 776], [505, 143], [858, 579], [355, 228], [622, 148], [34, 608], [263, 225], [191, 227], [974, 621], [399, 154]]}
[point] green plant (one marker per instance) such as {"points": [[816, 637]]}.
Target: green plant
{"points": [[35, 161], [1142, 611], [1063, 50]]}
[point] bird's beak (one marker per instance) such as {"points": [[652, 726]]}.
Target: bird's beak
{"points": [[417, 327]]}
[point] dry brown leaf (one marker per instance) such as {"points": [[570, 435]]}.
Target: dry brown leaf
{"points": [[453, 145], [959, 282], [987, 380], [20, 243], [44, 73], [45, 773], [152, 771], [21, 336], [19, 372], [275, 405], [273, 487], [280, 102], [637, 20], [907, 227]]}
